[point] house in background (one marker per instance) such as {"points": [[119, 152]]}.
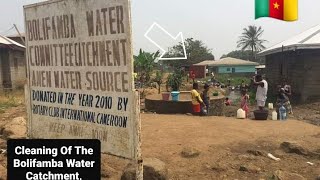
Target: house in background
{"points": [[12, 64], [229, 66], [298, 61], [199, 71]]}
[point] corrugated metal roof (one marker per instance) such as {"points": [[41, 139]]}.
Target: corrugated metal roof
{"points": [[228, 61], [9, 42], [309, 39]]}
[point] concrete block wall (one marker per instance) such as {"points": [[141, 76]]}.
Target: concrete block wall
{"points": [[17, 69]]}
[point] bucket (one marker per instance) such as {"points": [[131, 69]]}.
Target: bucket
{"points": [[260, 115], [165, 96], [175, 95]]}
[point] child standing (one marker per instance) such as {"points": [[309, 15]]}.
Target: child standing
{"points": [[205, 98], [245, 101]]}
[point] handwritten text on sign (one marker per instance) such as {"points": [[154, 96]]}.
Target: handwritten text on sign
{"points": [[80, 72]]}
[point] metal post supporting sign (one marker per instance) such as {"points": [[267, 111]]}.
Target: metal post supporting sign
{"points": [[79, 67]]}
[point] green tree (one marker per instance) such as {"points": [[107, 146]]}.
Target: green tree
{"points": [[196, 51], [144, 65], [175, 80], [245, 55], [251, 39], [159, 79]]}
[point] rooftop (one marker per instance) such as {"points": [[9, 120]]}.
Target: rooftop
{"points": [[309, 39], [8, 43], [228, 61], [16, 35]]}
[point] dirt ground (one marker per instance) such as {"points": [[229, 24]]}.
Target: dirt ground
{"points": [[309, 113], [222, 142]]}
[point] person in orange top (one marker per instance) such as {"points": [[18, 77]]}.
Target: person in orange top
{"points": [[196, 100]]}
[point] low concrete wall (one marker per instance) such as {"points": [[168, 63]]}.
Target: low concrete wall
{"points": [[155, 103], [217, 106], [168, 107]]}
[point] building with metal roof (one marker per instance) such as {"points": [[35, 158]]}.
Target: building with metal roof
{"points": [[6, 42], [228, 61], [19, 38], [229, 65], [297, 61], [12, 64], [309, 39]]}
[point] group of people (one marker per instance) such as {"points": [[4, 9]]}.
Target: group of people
{"points": [[201, 101], [283, 96], [284, 91]]}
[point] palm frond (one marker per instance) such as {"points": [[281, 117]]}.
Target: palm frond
{"points": [[251, 38]]}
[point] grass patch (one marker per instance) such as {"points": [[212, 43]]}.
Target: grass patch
{"points": [[11, 99], [234, 80], [252, 96]]}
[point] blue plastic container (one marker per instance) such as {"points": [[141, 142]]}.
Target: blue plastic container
{"points": [[283, 113], [175, 95]]}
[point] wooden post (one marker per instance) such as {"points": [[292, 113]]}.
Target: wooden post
{"points": [[19, 33], [139, 161], [28, 106]]}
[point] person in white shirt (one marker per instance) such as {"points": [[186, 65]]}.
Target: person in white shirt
{"points": [[262, 90]]}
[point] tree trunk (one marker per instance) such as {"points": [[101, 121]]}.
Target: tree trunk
{"points": [[253, 58], [159, 86]]}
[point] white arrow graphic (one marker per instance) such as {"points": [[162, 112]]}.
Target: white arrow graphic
{"points": [[162, 49]]}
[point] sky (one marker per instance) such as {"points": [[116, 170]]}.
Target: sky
{"points": [[218, 23]]}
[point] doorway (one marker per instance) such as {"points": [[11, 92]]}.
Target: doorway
{"points": [[5, 69]]}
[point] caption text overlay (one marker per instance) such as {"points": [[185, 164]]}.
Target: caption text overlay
{"points": [[65, 159]]}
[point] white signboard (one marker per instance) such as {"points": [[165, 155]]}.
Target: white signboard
{"points": [[80, 82]]}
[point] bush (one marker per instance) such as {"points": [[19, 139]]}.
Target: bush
{"points": [[175, 80], [158, 79], [144, 65], [252, 96], [11, 102], [234, 80], [10, 99]]}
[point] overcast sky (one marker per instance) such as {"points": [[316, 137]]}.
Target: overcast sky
{"points": [[218, 23]]}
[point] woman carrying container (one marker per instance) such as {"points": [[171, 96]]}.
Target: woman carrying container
{"points": [[196, 100]]}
